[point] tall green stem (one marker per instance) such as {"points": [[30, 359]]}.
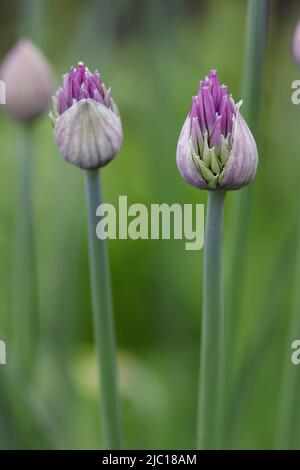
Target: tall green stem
{"points": [[103, 319], [32, 19], [255, 52], [255, 56], [287, 431], [24, 289], [212, 331]]}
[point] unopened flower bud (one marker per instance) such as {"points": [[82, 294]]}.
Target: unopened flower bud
{"points": [[296, 44], [28, 81], [87, 125], [216, 149]]}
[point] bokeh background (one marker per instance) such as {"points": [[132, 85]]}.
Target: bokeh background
{"points": [[153, 54]]}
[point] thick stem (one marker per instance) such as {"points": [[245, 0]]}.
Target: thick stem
{"points": [[212, 331], [24, 288], [256, 35], [103, 319]]}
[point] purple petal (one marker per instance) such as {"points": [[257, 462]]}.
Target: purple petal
{"points": [[215, 88], [80, 72], [242, 163], [196, 136], [201, 117], [229, 116], [209, 109], [78, 79], [194, 108], [76, 87], [62, 104], [70, 87], [65, 86], [215, 140], [201, 83], [98, 97], [223, 115], [184, 159], [223, 93]]}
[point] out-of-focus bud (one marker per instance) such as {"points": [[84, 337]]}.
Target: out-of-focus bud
{"points": [[296, 44], [216, 149], [87, 124], [28, 80]]}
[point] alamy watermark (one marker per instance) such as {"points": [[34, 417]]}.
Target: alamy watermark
{"points": [[159, 221], [295, 96], [295, 356], [2, 92], [2, 353]]}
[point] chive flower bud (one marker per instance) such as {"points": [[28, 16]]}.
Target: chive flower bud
{"points": [[28, 80], [216, 149], [87, 124], [296, 44]]}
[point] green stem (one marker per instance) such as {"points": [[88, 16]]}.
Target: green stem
{"points": [[255, 56], [212, 332], [255, 52], [103, 319], [32, 22], [288, 424], [24, 302], [270, 312]]}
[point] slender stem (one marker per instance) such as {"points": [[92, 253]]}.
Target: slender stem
{"points": [[288, 404], [103, 319], [24, 302], [270, 312], [32, 19], [212, 332], [255, 52]]}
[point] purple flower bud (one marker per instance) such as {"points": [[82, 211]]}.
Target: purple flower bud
{"points": [[87, 125], [216, 149], [28, 79], [296, 44]]}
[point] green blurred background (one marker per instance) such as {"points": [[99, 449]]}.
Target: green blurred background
{"points": [[153, 54]]}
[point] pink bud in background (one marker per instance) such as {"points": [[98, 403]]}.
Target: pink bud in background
{"points": [[28, 79], [296, 44]]}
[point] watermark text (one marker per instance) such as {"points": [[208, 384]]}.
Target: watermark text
{"points": [[2, 92], [2, 353], [159, 221]]}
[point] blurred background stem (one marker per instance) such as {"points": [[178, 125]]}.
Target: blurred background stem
{"points": [[24, 286], [255, 56], [212, 329], [103, 319], [288, 420], [32, 24]]}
